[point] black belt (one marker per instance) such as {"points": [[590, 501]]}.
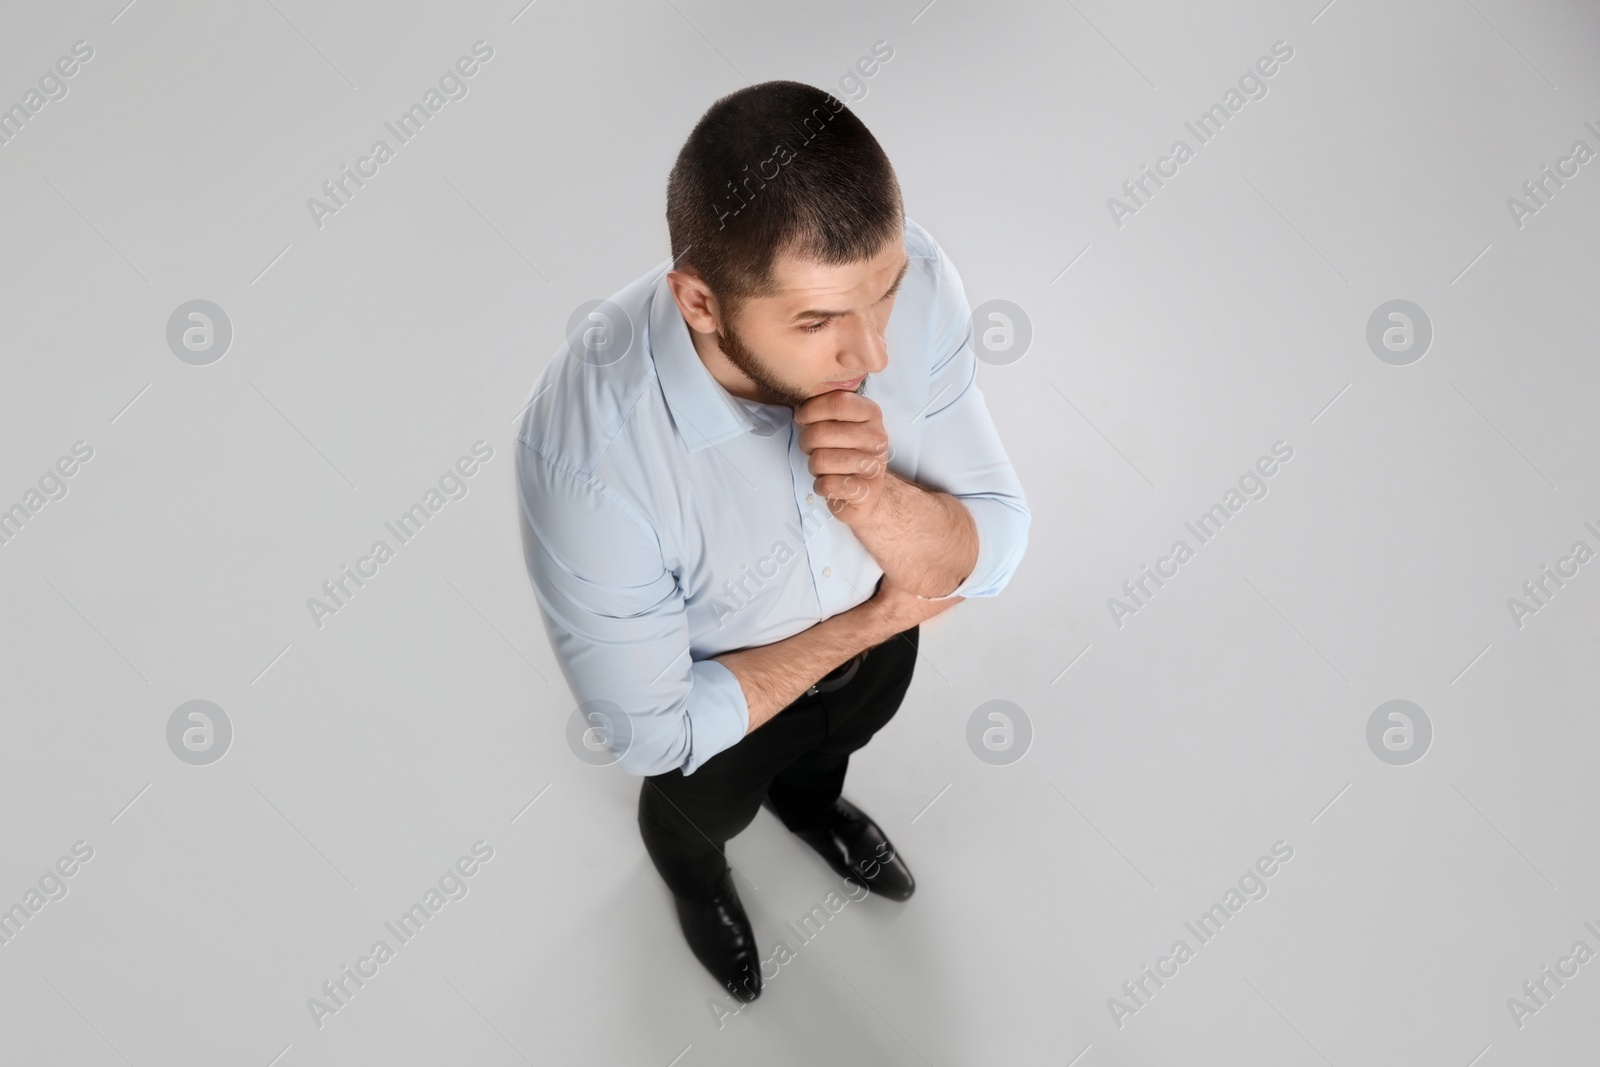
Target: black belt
{"points": [[839, 676]]}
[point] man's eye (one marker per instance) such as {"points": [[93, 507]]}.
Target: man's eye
{"points": [[815, 326]]}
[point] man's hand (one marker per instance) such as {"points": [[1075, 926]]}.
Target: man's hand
{"points": [[773, 676], [899, 609], [924, 540], [843, 435]]}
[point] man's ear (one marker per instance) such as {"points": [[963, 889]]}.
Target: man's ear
{"points": [[695, 300]]}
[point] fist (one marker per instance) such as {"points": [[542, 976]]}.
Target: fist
{"points": [[842, 434], [900, 610]]}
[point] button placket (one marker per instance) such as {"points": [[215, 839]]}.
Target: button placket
{"points": [[816, 530]]}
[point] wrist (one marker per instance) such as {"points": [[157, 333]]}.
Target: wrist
{"points": [[885, 510]]}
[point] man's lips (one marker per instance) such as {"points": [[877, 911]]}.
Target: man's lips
{"points": [[851, 384]]}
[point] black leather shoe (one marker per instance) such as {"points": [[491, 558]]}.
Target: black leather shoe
{"points": [[858, 850], [719, 933]]}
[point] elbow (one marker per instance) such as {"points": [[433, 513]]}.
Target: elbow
{"points": [[617, 738], [645, 759], [1019, 504], [1019, 520], [1015, 561], [1003, 524], [707, 716]]}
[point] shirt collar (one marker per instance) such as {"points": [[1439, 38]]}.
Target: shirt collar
{"points": [[704, 412]]}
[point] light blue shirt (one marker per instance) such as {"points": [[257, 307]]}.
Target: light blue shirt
{"points": [[666, 521]]}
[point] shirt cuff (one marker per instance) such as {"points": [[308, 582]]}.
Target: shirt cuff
{"points": [[718, 714], [1002, 537]]}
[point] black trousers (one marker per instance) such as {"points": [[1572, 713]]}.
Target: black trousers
{"points": [[797, 759]]}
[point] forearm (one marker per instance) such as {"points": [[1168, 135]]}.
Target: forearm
{"points": [[774, 676], [925, 541]]}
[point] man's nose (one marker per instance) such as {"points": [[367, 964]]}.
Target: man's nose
{"points": [[865, 350]]}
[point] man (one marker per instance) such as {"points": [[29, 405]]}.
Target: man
{"points": [[747, 483]]}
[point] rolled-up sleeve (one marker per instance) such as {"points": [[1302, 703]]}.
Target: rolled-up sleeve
{"points": [[961, 452], [618, 625]]}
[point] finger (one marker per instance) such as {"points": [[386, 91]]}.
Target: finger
{"points": [[844, 461], [847, 488], [862, 436], [837, 405]]}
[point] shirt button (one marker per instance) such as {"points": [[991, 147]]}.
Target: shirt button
{"points": [[811, 498], [827, 572]]}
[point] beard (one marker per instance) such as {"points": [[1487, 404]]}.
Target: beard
{"points": [[739, 354], [759, 371]]}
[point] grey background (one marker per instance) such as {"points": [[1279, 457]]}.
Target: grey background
{"points": [[1230, 713]]}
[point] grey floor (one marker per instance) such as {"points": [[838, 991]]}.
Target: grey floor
{"points": [[1173, 343]]}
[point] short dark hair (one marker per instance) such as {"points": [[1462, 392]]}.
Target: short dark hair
{"points": [[833, 198]]}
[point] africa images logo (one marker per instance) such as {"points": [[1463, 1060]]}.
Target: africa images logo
{"points": [[452, 86], [453, 884], [1252, 886], [1212, 121]]}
